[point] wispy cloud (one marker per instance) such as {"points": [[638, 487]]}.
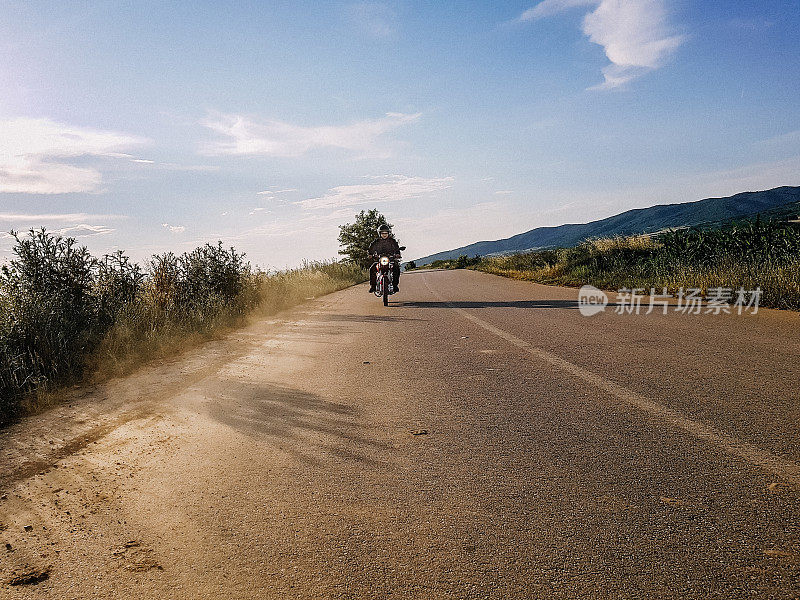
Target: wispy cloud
{"points": [[635, 34], [756, 25], [68, 224], [56, 217], [248, 136], [552, 7], [173, 228], [84, 230], [271, 192], [169, 166], [389, 188], [503, 192], [790, 139], [33, 154], [312, 223], [375, 19]]}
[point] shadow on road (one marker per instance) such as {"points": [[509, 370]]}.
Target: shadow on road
{"points": [[365, 318], [490, 304], [303, 423]]}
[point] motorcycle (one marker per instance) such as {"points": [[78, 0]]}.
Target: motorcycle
{"points": [[384, 284]]}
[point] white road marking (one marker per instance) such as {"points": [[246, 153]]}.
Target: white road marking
{"points": [[787, 469]]}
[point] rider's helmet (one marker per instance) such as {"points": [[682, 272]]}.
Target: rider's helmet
{"points": [[385, 228]]}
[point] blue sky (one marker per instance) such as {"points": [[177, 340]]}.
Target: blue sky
{"points": [[154, 126]]}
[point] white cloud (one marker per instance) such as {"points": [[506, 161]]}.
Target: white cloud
{"points": [[503, 192], [272, 191], [391, 189], [552, 7], [247, 136], [305, 226], [635, 34], [79, 229], [174, 228], [55, 217], [169, 166], [84, 230], [32, 153], [189, 168]]}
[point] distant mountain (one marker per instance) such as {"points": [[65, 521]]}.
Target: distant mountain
{"points": [[632, 222]]}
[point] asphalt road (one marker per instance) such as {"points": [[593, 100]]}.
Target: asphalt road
{"points": [[479, 438]]}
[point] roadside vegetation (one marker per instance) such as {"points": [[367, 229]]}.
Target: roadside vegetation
{"points": [[356, 237], [462, 262], [749, 254], [67, 317]]}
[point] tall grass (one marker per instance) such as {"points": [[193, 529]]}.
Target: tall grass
{"points": [[67, 317], [752, 254]]}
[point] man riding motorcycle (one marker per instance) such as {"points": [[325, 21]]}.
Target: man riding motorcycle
{"points": [[385, 245]]}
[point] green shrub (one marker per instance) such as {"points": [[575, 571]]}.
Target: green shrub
{"points": [[52, 318], [462, 262], [65, 315]]}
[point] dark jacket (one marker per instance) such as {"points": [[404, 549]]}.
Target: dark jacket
{"points": [[386, 247]]}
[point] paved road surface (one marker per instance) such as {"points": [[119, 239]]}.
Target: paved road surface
{"points": [[617, 456]]}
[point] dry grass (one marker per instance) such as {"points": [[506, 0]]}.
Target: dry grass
{"points": [[67, 317], [620, 242], [145, 331], [779, 283], [645, 262]]}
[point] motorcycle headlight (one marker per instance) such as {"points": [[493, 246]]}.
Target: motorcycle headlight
{"points": [[384, 260]]}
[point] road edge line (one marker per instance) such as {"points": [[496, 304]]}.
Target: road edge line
{"points": [[785, 468]]}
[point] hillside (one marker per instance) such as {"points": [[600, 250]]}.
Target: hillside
{"points": [[638, 220]]}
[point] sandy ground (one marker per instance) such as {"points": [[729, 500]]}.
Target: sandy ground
{"points": [[525, 451]]}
